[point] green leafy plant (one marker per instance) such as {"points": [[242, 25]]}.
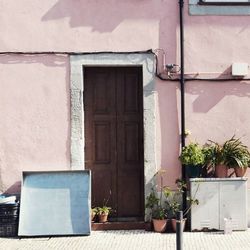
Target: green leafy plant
{"points": [[192, 154], [236, 153], [173, 199], [94, 210], [193, 158], [159, 213], [213, 156], [103, 210], [232, 153], [154, 202]]}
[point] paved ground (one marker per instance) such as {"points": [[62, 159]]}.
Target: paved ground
{"points": [[132, 240]]}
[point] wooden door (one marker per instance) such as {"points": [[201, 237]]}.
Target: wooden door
{"points": [[114, 138]]}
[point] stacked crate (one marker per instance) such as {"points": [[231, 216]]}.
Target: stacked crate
{"points": [[9, 216]]}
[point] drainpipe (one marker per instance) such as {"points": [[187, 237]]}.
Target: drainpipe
{"points": [[182, 88]]}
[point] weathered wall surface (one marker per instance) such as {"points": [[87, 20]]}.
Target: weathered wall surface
{"points": [[219, 110], [34, 97], [34, 121], [81, 25]]}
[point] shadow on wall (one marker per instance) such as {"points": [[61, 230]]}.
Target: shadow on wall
{"points": [[106, 16], [170, 139], [102, 17], [48, 60], [14, 189], [209, 94]]}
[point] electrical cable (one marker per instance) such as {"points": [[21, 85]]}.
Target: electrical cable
{"points": [[149, 51], [158, 75], [70, 52]]}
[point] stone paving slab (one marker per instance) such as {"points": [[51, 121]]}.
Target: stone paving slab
{"points": [[132, 240]]}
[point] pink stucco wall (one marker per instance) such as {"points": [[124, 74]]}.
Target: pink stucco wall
{"points": [[34, 121], [34, 97]]}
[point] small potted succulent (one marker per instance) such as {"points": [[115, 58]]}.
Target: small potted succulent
{"points": [[103, 213], [193, 158]]}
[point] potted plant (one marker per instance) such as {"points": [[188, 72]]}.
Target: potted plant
{"points": [[240, 170], [237, 156], [158, 213], [103, 213], [152, 201], [231, 154], [193, 158], [156, 206], [174, 204], [214, 159], [159, 216], [93, 213]]}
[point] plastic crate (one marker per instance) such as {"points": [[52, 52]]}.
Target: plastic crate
{"points": [[9, 216], [9, 209], [8, 230], [8, 219]]}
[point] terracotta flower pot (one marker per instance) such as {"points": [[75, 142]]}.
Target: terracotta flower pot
{"points": [[103, 218], [93, 214], [173, 222], [221, 171], [240, 172], [159, 225]]}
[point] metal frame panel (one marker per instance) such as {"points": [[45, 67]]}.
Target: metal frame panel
{"points": [[55, 203], [199, 7]]}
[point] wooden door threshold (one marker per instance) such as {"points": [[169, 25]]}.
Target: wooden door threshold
{"points": [[139, 225]]}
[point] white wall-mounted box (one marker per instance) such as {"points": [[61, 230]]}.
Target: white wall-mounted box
{"points": [[240, 69], [219, 198], [225, 1]]}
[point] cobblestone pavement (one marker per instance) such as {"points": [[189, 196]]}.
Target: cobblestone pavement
{"points": [[132, 240]]}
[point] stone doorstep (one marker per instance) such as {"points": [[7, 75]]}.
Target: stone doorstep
{"points": [[136, 225], [118, 226]]}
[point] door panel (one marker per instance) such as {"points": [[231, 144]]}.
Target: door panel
{"points": [[114, 138], [130, 152], [103, 181], [100, 129], [131, 94], [102, 135], [131, 131]]}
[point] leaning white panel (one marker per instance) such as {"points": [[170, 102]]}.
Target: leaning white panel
{"points": [[55, 203]]}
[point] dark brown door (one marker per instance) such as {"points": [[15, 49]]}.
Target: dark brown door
{"points": [[114, 138]]}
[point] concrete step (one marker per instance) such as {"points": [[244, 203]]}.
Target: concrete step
{"points": [[118, 226]]}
